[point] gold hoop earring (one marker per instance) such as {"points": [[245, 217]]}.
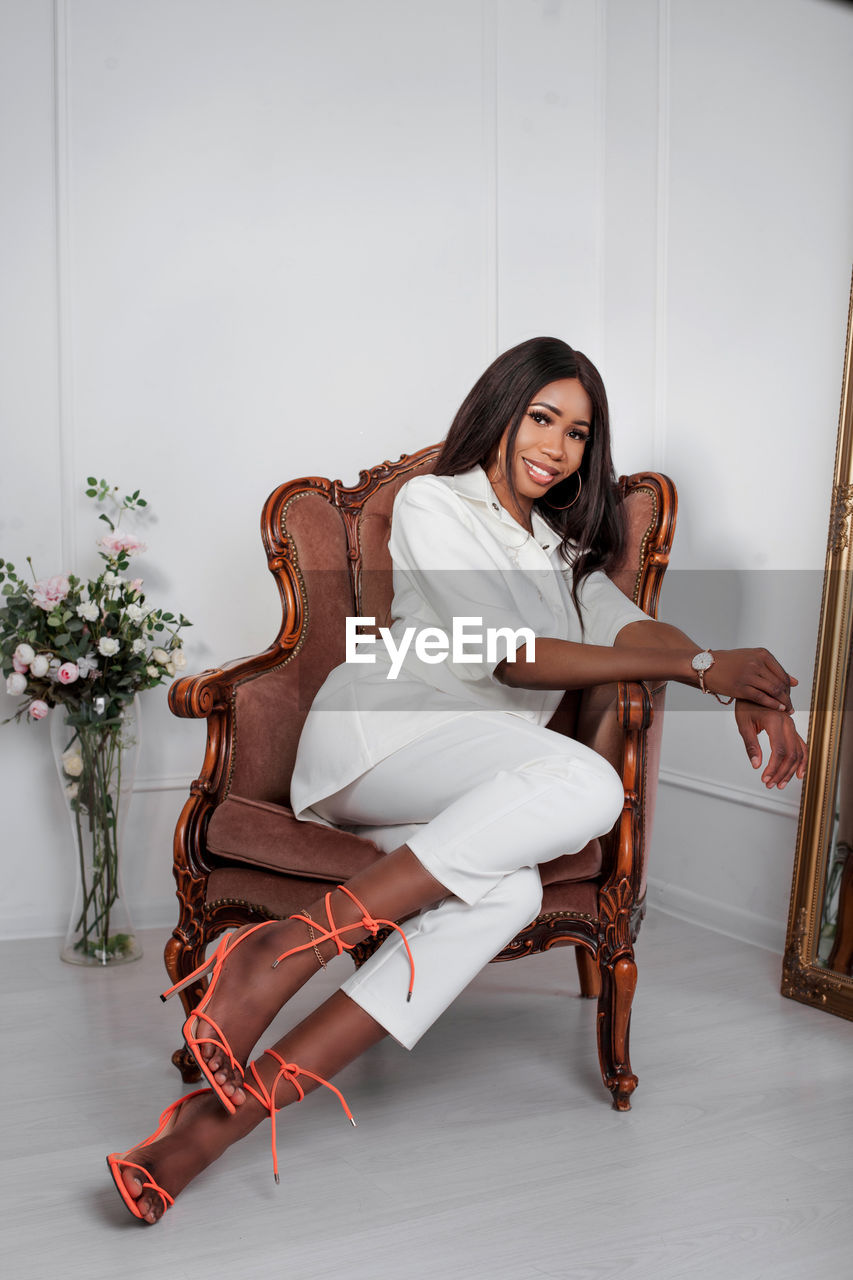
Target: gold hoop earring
{"points": [[568, 504], [497, 470]]}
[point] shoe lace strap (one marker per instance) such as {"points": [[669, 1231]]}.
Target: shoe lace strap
{"points": [[289, 1071], [219, 1040], [147, 1183], [334, 931]]}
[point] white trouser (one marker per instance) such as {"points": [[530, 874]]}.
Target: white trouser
{"points": [[480, 801]]}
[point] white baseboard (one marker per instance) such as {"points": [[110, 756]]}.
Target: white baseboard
{"points": [[154, 915], [722, 917]]}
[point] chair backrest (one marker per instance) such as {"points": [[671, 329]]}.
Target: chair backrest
{"points": [[327, 546]]}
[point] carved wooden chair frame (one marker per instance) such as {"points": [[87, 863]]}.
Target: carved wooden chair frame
{"points": [[604, 943]]}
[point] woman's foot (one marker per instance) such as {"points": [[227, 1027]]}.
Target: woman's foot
{"points": [[197, 1134], [262, 966], [244, 997]]}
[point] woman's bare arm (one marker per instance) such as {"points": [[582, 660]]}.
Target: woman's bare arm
{"points": [[630, 661], [788, 751], [649, 651]]}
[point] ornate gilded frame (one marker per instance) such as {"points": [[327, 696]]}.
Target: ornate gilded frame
{"points": [[803, 978]]}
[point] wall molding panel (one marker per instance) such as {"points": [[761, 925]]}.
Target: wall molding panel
{"points": [[376, 209], [490, 20], [179, 782], [67, 441], [662, 245], [729, 793], [710, 913]]}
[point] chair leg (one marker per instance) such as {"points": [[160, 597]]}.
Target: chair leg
{"points": [[588, 975], [618, 983]]}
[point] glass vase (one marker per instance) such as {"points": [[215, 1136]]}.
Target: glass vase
{"points": [[95, 746]]}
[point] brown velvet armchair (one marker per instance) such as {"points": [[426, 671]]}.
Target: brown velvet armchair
{"points": [[241, 856]]}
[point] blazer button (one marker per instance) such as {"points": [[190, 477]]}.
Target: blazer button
{"points": [[495, 507]]}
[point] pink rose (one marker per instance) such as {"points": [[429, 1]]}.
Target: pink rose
{"points": [[115, 543], [20, 667], [38, 709], [136, 586], [48, 593], [68, 673]]}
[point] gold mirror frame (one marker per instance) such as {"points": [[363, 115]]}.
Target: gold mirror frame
{"points": [[803, 977]]}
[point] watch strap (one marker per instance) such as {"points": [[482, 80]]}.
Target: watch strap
{"points": [[724, 702]]}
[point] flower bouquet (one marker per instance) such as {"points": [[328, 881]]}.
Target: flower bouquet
{"points": [[80, 651]]}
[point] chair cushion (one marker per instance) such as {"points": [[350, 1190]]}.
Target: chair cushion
{"points": [[267, 836]]}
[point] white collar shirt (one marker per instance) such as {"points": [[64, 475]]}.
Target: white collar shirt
{"points": [[456, 553]]}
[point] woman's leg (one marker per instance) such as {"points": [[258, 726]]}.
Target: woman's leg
{"points": [[451, 943], [329, 1039], [494, 794], [250, 991]]}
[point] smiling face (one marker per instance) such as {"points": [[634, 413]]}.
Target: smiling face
{"points": [[548, 447]]}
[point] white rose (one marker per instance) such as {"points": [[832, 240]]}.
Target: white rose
{"points": [[25, 654], [72, 762], [16, 683], [179, 660], [135, 612], [71, 790], [169, 668], [88, 610], [107, 646], [113, 579], [39, 666], [87, 666], [160, 655], [138, 646], [154, 672]]}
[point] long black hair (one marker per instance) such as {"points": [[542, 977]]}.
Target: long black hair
{"points": [[591, 530]]}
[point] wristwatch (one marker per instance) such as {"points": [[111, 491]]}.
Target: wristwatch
{"points": [[701, 663]]}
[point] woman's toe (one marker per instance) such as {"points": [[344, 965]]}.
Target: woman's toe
{"points": [[212, 1057], [151, 1208], [133, 1183]]}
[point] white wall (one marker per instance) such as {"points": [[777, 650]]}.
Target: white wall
{"points": [[242, 242]]}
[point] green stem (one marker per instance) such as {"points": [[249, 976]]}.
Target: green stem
{"points": [[98, 796]]}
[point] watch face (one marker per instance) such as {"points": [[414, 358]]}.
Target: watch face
{"points": [[703, 661]]}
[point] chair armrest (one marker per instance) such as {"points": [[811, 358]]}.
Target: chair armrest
{"points": [[196, 697], [634, 705]]}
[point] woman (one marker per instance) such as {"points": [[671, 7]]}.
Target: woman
{"points": [[441, 754]]}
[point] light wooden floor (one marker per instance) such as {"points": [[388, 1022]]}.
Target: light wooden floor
{"points": [[491, 1151]]}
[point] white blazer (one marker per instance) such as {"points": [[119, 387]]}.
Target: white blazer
{"points": [[456, 552]]}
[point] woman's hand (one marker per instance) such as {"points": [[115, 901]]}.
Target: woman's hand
{"points": [[787, 748], [751, 674]]}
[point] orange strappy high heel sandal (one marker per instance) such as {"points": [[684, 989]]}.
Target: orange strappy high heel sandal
{"points": [[193, 1042], [116, 1162], [230, 943], [266, 1096]]}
